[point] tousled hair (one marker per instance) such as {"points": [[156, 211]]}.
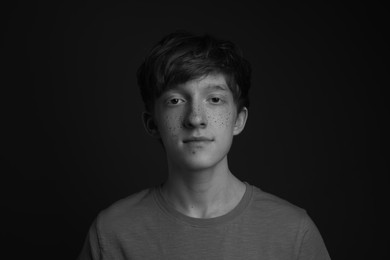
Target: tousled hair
{"points": [[182, 56]]}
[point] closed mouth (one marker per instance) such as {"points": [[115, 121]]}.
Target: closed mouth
{"points": [[197, 139]]}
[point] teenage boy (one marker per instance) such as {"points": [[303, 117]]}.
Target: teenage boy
{"points": [[195, 90]]}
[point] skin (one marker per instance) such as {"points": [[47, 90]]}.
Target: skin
{"points": [[199, 182]]}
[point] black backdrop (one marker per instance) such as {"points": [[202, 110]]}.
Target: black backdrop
{"points": [[74, 142]]}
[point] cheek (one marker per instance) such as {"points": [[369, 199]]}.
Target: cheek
{"points": [[222, 119], [171, 124]]}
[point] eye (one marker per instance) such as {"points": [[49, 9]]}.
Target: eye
{"points": [[174, 101], [215, 100]]}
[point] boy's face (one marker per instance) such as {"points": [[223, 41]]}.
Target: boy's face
{"points": [[196, 122]]}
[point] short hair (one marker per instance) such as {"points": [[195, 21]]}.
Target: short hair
{"points": [[182, 56]]}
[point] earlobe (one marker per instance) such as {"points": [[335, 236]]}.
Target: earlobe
{"points": [[150, 125], [239, 125]]}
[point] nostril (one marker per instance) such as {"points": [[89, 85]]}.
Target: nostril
{"points": [[195, 120]]}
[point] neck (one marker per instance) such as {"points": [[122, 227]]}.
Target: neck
{"points": [[204, 193]]}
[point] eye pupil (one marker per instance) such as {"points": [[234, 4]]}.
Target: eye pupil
{"points": [[215, 100], [174, 101]]}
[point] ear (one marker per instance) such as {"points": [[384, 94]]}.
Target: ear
{"points": [[240, 121], [150, 124]]}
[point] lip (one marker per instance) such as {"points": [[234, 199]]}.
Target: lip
{"points": [[197, 139]]}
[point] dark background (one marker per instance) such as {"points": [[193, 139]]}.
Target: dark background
{"points": [[74, 142]]}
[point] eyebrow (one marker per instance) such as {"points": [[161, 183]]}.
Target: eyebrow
{"points": [[222, 87], [210, 87]]}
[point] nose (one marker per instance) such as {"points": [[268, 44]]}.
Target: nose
{"points": [[195, 117]]}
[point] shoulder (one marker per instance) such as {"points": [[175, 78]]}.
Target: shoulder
{"points": [[275, 210], [277, 219], [286, 223], [273, 204], [126, 211]]}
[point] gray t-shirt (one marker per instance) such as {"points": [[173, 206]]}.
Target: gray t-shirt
{"points": [[262, 226]]}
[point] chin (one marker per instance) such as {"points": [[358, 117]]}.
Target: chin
{"points": [[198, 162]]}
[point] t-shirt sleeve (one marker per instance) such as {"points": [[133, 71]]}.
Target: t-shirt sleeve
{"points": [[312, 246], [91, 249]]}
